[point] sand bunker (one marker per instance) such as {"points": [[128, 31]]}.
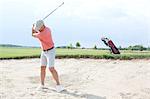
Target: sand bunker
{"points": [[82, 79]]}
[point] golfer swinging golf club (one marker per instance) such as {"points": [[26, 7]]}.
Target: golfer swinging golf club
{"points": [[47, 58]]}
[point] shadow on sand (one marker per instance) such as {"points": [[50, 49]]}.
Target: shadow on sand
{"points": [[75, 94], [82, 95]]}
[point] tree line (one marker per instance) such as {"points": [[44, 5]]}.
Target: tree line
{"points": [[135, 47], [78, 45]]}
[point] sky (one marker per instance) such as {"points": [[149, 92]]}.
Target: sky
{"points": [[126, 22]]}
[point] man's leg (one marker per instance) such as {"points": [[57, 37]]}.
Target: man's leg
{"points": [[43, 73], [51, 59], [55, 75]]}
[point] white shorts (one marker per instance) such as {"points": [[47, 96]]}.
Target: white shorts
{"points": [[48, 58]]}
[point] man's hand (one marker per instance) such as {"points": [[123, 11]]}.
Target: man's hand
{"points": [[33, 31]]}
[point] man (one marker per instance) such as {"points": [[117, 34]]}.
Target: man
{"points": [[43, 33]]}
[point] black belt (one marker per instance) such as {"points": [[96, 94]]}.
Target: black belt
{"points": [[48, 49]]}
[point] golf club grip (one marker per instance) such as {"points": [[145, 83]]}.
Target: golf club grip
{"points": [[52, 11]]}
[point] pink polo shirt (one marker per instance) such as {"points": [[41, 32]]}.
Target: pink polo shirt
{"points": [[45, 38]]}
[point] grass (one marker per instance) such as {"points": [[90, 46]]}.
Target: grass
{"points": [[102, 54], [19, 53]]}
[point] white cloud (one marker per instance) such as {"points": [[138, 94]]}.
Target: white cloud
{"points": [[113, 13], [99, 9], [120, 11], [90, 8]]}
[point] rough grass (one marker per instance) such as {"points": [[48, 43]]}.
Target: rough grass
{"points": [[19, 53]]}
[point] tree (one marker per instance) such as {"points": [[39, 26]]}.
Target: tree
{"points": [[137, 47], [70, 46], [120, 47], [148, 48], [95, 47], [78, 45]]}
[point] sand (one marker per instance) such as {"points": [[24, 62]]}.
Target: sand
{"points": [[82, 79]]}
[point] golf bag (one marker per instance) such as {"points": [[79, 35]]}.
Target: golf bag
{"points": [[112, 46]]}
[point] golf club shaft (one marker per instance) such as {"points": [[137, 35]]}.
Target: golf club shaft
{"points": [[52, 11]]}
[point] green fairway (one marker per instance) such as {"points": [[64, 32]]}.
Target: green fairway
{"points": [[16, 52], [19, 53]]}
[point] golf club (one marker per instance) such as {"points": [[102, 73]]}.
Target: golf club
{"points": [[52, 11], [49, 13]]}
